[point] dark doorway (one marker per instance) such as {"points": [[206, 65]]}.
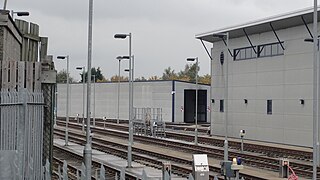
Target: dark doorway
{"points": [[190, 106]]}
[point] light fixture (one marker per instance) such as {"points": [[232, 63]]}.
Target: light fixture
{"points": [[301, 101]]}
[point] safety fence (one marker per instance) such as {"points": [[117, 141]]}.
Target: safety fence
{"points": [[62, 173], [148, 121], [21, 135]]}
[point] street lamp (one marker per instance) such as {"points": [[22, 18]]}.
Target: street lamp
{"points": [[129, 159], [315, 92], [316, 79], [87, 151], [222, 36], [83, 68], [196, 114], [21, 13], [68, 92]]}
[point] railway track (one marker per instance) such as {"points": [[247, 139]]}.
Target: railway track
{"points": [[302, 168], [276, 152], [180, 166], [74, 164]]}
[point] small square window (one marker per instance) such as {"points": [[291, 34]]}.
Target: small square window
{"points": [[221, 105], [269, 106]]}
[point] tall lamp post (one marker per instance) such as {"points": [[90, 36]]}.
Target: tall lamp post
{"points": [[315, 91], [83, 68], [316, 79], [87, 151], [223, 36], [68, 92], [129, 159], [196, 113]]}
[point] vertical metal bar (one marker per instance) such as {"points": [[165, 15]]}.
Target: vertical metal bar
{"points": [[83, 95], [94, 100], [196, 115], [315, 89], [118, 111], [87, 152], [226, 103], [130, 107], [21, 131], [67, 104]]}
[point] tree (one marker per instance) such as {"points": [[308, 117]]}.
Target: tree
{"points": [[205, 79], [189, 72], [169, 74], [141, 79], [116, 78], [154, 78], [98, 75], [62, 77]]}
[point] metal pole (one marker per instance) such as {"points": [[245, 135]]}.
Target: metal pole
{"points": [[5, 5], [87, 152], [315, 89], [130, 107], [56, 107], [67, 109], [196, 115], [211, 104], [226, 103], [94, 100], [83, 95], [118, 93], [241, 144]]}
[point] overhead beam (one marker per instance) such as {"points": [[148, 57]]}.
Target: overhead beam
{"points": [[276, 36], [305, 24], [205, 47], [249, 40], [225, 43]]}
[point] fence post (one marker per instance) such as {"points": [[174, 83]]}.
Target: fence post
{"points": [[102, 173], [144, 175], [83, 170], [59, 172], [47, 170], [122, 174], [65, 170], [21, 132]]}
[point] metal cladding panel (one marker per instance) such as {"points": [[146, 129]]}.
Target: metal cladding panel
{"points": [[156, 94], [284, 79]]}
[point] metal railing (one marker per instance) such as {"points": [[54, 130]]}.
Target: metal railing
{"points": [[21, 134], [148, 121]]}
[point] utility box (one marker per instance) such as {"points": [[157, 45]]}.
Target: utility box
{"points": [[226, 170], [200, 167], [283, 168], [166, 167]]}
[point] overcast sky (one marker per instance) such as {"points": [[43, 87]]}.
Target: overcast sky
{"points": [[163, 30]]}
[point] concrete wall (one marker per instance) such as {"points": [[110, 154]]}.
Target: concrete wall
{"points": [[284, 79], [154, 94]]}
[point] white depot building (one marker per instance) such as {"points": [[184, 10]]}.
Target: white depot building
{"points": [[264, 70], [175, 98]]}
